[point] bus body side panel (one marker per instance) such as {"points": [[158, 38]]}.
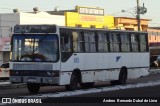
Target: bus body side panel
{"points": [[75, 62], [90, 66], [103, 63], [97, 67], [140, 65], [145, 61]]}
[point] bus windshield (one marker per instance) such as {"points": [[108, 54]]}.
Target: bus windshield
{"points": [[35, 47]]}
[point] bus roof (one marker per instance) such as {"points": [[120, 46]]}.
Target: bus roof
{"points": [[46, 28], [100, 29]]}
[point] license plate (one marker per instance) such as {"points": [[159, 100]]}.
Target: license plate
{"points": [[32, 80]]}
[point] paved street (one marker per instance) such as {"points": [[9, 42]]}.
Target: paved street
{"points": [[118, 94], [143, 87]]}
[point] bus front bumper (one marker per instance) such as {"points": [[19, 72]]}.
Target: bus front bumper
{"points": [[34, 79]]}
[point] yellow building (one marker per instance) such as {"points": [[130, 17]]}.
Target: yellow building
{"points": [[89, 17]]}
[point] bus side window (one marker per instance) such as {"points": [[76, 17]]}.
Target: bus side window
{"points": [[75, 38], [66, 43], [80, 42], [125, 42], [102, 42], [90, 42], [134, 43], [143, 43], [114, 42], [62, 44]]}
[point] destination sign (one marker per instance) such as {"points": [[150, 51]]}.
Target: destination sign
{"points": [[35, 29]]}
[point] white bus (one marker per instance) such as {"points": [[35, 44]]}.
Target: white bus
{"points": [[53, 55]]}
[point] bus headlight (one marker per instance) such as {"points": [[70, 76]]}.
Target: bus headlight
{"points": [[53, 73], [14, 73]]}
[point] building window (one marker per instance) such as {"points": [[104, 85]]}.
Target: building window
{"points": [[92, 26], [78, 25], [149, 37], [149, 32]]}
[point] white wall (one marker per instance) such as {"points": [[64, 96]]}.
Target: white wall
{"points": [[11, 19], [6, 22], [41, 18]]}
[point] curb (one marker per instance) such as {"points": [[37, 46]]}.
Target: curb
{"points": [[154, 71]]}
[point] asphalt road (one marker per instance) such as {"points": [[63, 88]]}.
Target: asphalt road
{"points": [[21, 90], [141, 93], [152, 91], [144, 93]]}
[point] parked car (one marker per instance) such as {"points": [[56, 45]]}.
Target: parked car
{"points": [[155, 61], [4, 71]]}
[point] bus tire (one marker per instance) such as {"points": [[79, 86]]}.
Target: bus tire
{"points": [[73, 82], [115, 82], [122, 77], [33, 87], [87, 85]]}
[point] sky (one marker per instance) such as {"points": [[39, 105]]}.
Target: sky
{"points": [[111, 7]]}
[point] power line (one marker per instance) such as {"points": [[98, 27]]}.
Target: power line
{"points": [[153, 17]]}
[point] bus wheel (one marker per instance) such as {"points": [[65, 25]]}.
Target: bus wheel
{"points": [[73, 82], [115, 82], [33, 87], [122, 76], [87, 85]]}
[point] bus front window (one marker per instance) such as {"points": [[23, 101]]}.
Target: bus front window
{"points": [[35, 48]]}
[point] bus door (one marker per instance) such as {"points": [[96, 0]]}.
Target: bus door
{"points": [[71, 56]]}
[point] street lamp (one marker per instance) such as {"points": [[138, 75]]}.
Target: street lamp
{"points": [[128, 12], [140, 10]]}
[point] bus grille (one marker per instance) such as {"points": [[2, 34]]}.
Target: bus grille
{"points": [[32, 67]]}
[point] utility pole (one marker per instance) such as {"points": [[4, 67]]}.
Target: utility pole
{"points": [[138, 16]]}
